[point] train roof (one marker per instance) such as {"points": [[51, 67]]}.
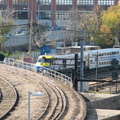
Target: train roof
{"points": [[85, 46], [55, 56], [103, 50]]}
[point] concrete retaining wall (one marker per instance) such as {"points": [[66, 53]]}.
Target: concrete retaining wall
{"points": [[102, 106], [112, 102]]}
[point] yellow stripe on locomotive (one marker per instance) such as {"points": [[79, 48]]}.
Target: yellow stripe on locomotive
{"points": [[44, 61]]}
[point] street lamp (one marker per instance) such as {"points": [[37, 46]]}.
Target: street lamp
{"points": [[34, 94], [30, 39]]}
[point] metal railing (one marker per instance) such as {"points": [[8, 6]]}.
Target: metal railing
{"points": [[45, 71], [20, 64], [56, 75]]}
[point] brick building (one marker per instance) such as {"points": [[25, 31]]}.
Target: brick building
{"points": [[49, 12]]}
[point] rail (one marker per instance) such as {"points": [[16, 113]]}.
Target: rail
{"points": [[45, 71], [11, 100]]}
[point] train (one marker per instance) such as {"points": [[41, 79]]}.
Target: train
{"points": [[93, 58]]}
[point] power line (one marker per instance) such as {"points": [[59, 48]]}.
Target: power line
{"points": [[94, 80], [83, 32]]}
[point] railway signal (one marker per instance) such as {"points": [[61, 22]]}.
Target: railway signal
{"points": [[115, 77], [2, 57]]}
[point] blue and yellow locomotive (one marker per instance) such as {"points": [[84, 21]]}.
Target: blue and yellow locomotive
{"points": [[92, 59]]}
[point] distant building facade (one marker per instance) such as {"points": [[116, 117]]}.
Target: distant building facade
{"points": [[49, 12]]}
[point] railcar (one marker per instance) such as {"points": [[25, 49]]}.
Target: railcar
{"points": [[92, 59], [103, 58]]}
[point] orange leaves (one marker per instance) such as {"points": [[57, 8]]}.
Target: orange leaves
{"points": [[105, 29]]}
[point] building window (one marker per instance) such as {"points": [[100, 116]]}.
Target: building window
{"points": [[20, 1], [44, 2], [64, 2], [85, 2], [62, 15], [20, 15], [91, 2], [105, 2], [44, 15], [3, 1]]}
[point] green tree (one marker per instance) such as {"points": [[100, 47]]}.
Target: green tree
{"points": [[103, 27], [111, 19], [91, 23], [5, 27]]}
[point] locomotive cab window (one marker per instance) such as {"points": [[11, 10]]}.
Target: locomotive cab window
{"points": [[47, 60], [91, 61], [40, 60]]}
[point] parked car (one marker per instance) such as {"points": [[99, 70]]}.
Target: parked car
{"points": [[21, 33], [55, 28]]}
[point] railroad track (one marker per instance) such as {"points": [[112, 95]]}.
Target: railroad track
{"points": [[60, 106], [23, 85], [105, 75], [9, 97], [58, 102]]}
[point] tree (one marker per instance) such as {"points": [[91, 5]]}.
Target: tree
{"points": [[103, 27], [39, 35], [111, 19], [5, 27], [72, 24], [91, 23]]}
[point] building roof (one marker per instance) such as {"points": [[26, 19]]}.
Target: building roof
{"points": [[49, 45]]}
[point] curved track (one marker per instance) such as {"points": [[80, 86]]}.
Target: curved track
{"points": [[58, 102], [9, 97]]}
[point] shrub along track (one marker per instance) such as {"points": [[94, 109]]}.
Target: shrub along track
{"points": [[58, 102]]}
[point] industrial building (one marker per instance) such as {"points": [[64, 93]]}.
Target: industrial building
{"points": [[49, 12]]}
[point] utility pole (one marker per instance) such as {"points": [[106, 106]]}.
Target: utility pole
{"points": [[76, 72], [116, 35], [30, 37], [81, 66], [97, 70]]}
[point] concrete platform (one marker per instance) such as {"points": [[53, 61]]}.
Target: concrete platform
{"points": [[103, 114], [102, 106]]}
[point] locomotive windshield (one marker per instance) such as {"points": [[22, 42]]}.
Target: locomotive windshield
{"points": [[47, 60], [40, 60], [44, 60]]}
